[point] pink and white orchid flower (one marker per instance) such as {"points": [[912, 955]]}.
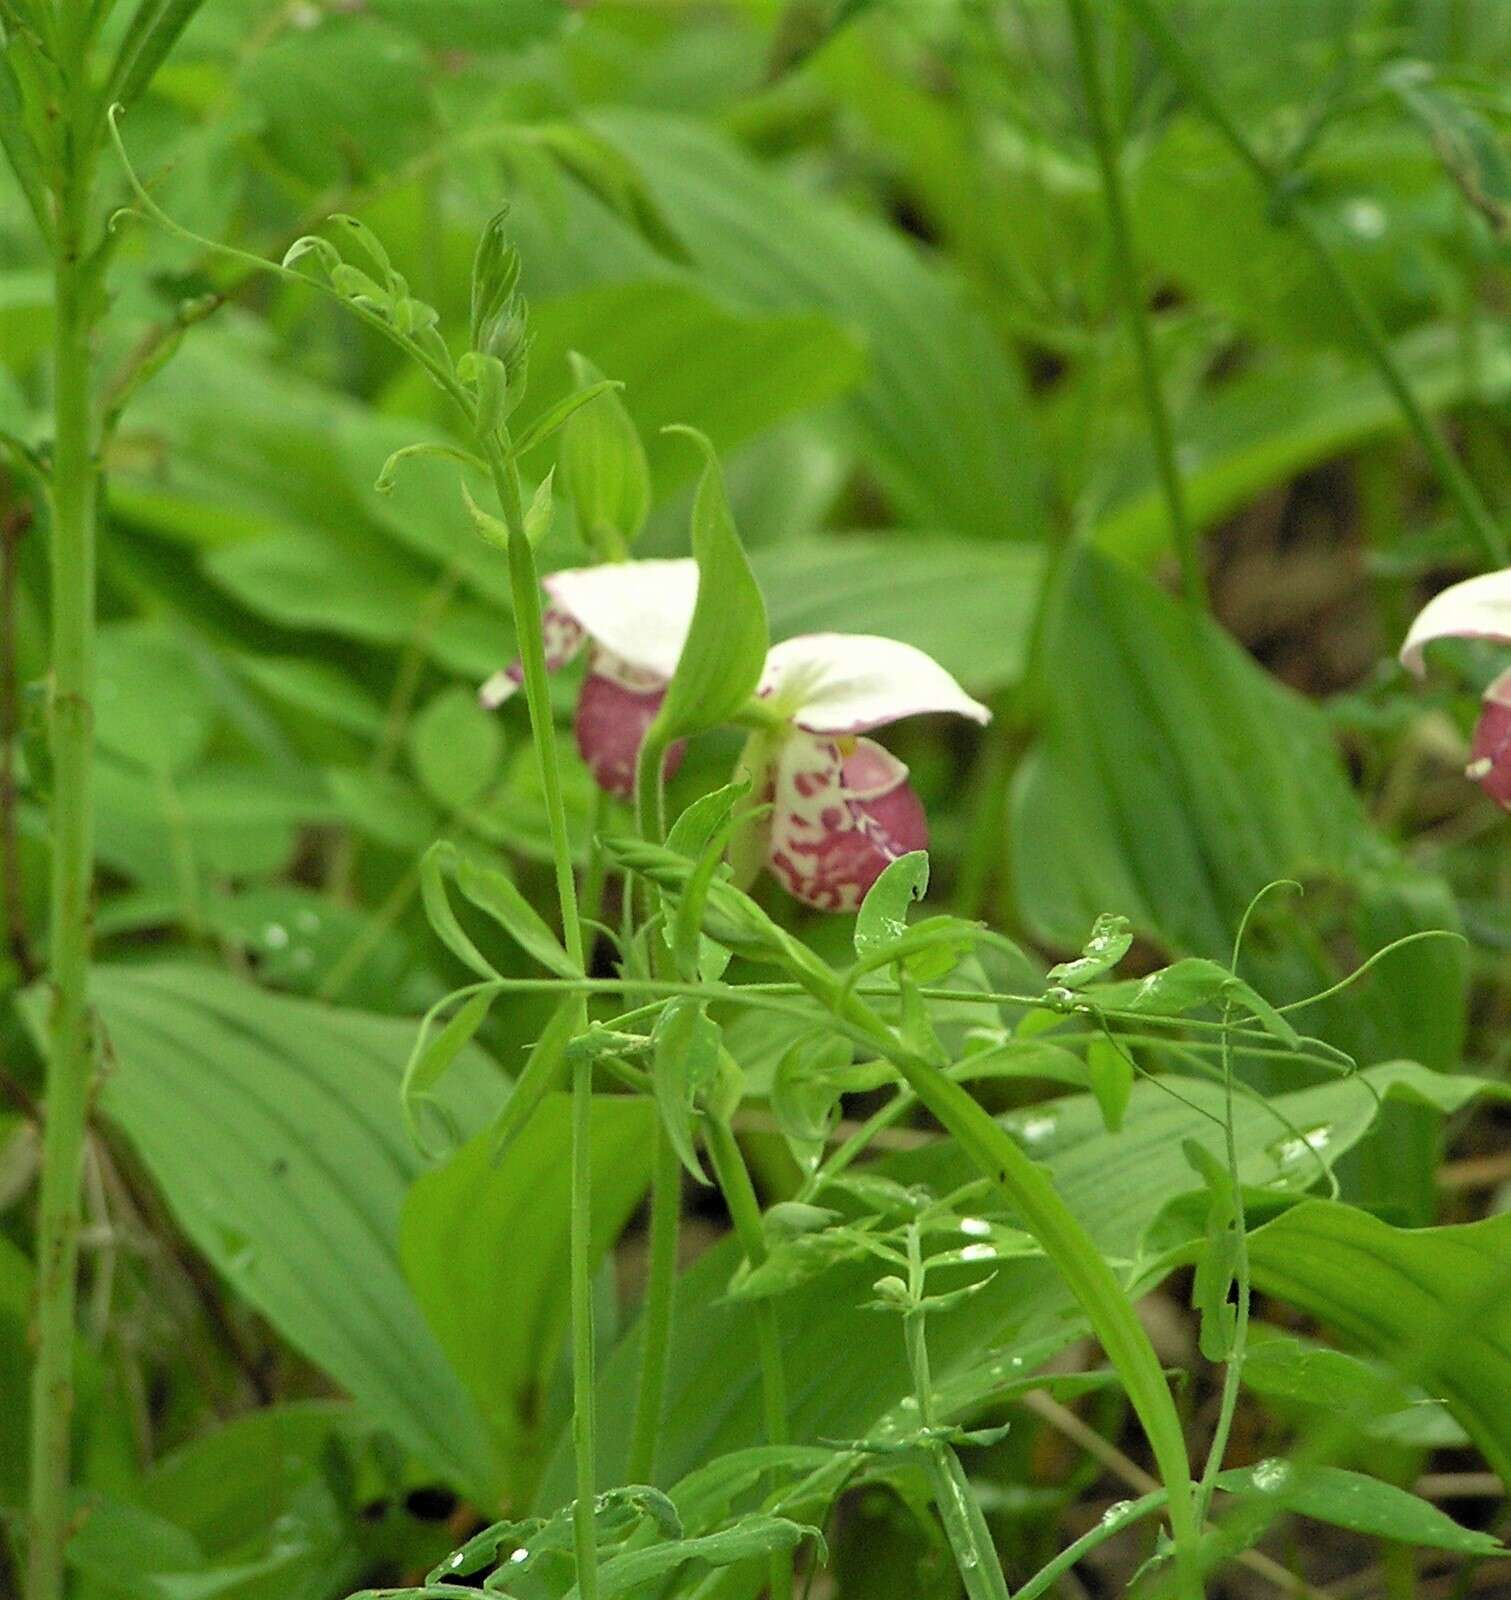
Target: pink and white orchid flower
{"points": [[1478, 608], [634, 617], [841, 805]]}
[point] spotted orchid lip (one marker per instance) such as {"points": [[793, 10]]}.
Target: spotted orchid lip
{"points": [[850, 683], [839, 817], [1477, 608]]}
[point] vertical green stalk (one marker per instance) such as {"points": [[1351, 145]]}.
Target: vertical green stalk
{"points": [[1473, 512], [524, 589], [1126, 277], [745, 1212], [666, 1188], [660, 1305], [524, 584], [915, 1332], [1233, 1374], [584, 1331], [70, 1055]]}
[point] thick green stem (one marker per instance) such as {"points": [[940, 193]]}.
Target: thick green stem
{"points": [[1126, 280], [524, 583], [70, 1052], [1457, 484], [660, 1305], [650, 791], [745, 1212]]}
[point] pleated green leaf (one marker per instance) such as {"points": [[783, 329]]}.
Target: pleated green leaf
{"points": [[1434, 1303], [272, 1128]]}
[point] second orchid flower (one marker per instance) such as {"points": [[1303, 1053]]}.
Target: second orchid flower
{"points": [[1478, 608]]}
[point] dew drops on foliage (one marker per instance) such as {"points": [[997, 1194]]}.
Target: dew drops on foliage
{"points": [[741, 840]]}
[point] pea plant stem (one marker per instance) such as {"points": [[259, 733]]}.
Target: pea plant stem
{"points": [[1112, 1523], [1127, 285], [745, 1212], [1086, 1273], [964, 1525], [1456, 482], [71, 708], [524, 583], [1233, 1373]]}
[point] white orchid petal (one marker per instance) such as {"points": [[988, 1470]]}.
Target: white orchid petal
{"points": [[502, 686], [1478, 608], [838, 683], [561, 637], [1498, 691], [639, 611]]}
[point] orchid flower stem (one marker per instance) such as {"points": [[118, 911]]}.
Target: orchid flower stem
{"points": [[590, 901], [745, 1212], [1128, 285], [650, 791], [1456, 483], [71, 710], [524, 582]]}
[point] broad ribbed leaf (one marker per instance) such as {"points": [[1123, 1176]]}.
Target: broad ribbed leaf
{"points": [[1173, 780], [272, 1127], [966, 602], [942, 419], [484, 1244], [1433, 1303]]}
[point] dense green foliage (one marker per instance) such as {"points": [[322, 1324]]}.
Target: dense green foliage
{"points": [[1144, 362]]}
